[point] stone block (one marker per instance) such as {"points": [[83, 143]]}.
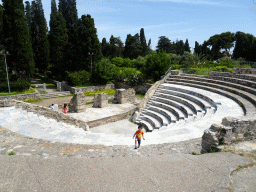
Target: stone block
{"points": [[124, 96], [100, 100], [77, 103]]}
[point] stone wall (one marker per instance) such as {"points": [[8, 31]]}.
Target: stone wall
{"points": [[77, 103], [229, 131], [124, 96], [244, 70], [138, 88], [100, 100], [49, 113], [23, 96], [224, 74]]}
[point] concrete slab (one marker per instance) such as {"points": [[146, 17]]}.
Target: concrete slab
{"points": [[167, 172]]}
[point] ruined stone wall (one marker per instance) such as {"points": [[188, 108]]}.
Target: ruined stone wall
{"points": [[124, 96], [244, 70], [230, 131], [138, 88], [22, 96], [49, 113]]}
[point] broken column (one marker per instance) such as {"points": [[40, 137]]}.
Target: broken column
{"points": [[100, 100], [77, 103]]}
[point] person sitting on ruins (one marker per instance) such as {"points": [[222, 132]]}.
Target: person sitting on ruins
{"points": [[52, 106], [65, 108]]}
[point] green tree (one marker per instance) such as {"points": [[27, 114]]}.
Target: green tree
{"points": [[1, 25], [69, 12], [39, 32], [186, 46], [115, 47], [156, 65], [105, 47], [180, 47], [28, 15], [143, 43], [132, 47], [88, 42], [198, 48], [103, 71], [164, 44], [58, 40], [16, 36]]}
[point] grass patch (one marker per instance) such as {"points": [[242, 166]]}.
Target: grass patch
{"points": [[22, 92], [33, 100], [194, 153], [108, 91], [11, 153], [110, 101], [196, 71], [89, 103], [241, 104], [140, 95]]}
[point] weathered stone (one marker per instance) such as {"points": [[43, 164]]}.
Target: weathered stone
{"points": [[100, 100], [216, 127], [135, 116], [124, 96], [239, 137], [77, 103], [209, 139]]}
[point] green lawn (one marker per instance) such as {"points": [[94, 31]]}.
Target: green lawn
{"points": [[108, 91], [22, 92]]}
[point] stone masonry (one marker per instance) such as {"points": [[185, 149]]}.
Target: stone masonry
{"points": [[77, 103], [100, 100], [124, 96]]}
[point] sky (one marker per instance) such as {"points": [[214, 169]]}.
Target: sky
{"points": [[195, 20]]}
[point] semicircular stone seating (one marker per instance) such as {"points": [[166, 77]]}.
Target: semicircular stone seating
{"points": [[179, 99]]}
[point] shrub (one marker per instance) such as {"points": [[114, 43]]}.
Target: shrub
{"points": [[17, 86], [222, 69], [78, 77], [176, 67]]}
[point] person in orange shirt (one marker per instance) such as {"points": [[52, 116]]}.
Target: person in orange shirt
{"points": [[138, 134]]}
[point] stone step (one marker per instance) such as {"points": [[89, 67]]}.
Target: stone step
{"points": [[148, 126], [195, 107], [248, 96], [161, 118], [191, 93], [232, 79], [247, 106], [154, 122], [182, 109], [174, 115], [199, 101], [167, 114], [219, 82]]}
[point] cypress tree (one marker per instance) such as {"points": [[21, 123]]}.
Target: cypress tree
{"points": [[132, 46], [88, 42], [58, 40], [69, 12], [39, 32], [186, 46], [197, 49], [1, 25], [143, 43], [16, 36], [28, 15], [105, 47]]}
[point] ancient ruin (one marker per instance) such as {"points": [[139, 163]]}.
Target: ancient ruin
{"points": [[77, 103], [124, 96], [100, 100]]}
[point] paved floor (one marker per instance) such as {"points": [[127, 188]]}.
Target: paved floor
{"points": [[179, 172]]}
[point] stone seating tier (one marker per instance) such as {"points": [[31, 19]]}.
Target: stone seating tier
{"points": [[195, 107], [162, 119], [168, 115], [219, 82], [248, 107], [248, 96]]}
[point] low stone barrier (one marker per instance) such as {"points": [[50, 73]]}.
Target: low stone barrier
{"points": [[77, 103], [244, 70], [229, 131], [49, 113], [224, 74], [138, 88], [22, 96]]}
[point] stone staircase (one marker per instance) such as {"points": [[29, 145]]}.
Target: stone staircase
{"points": [[184, 98]]}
